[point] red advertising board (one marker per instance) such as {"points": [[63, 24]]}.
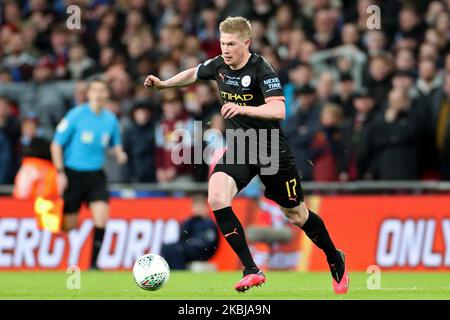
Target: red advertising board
{"points": [[135, 227], [393, 232]]}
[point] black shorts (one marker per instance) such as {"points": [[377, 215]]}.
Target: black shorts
{"points": [[84, 187], [282, 187]]}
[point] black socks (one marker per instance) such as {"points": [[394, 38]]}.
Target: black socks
{"points": [[315, 230], [97, 244], [232, 230]]}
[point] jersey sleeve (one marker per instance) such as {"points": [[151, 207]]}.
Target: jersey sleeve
{"points": [[65, 129], [116, 138], [268, 80], [207, 70]]}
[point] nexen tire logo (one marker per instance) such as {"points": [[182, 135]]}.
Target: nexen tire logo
{"points": [[23, 245], [411, 243]]}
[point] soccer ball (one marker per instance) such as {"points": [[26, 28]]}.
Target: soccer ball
{"points": [[151, 272]]}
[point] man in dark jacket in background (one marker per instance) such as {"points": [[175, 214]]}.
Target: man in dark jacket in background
{"points": [[440, 126], [139, 144], [198, 238], [10, 130], [353, 131], [5, 158], [301, 127], [391, 144]]}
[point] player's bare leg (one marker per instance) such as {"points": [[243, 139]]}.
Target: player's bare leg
{"points": [[100, 215], [221, 191], [315, 229]]}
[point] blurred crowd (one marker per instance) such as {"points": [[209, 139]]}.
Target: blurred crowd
{"points": [[361, 103]]}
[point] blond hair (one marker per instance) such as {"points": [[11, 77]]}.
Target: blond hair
{"points": [[334, 109], [238, 25]]}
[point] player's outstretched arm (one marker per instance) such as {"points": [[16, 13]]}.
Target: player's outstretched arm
{"points": [[182, 79]]}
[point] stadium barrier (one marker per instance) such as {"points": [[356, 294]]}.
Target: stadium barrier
{"points": [[395, 232], [352, 187]]}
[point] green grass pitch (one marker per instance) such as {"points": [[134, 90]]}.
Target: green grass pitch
{"points": [[188, 285]]}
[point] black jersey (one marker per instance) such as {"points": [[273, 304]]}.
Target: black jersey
{"points": [[248, 86]]}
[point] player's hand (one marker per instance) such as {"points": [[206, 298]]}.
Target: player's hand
{"points": [[230, 110], [61, 182], [154, 82], [121, 158]]}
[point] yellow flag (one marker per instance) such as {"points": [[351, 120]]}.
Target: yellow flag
{"points": [[48, 214]]}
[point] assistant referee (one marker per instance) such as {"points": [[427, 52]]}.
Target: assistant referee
{"points": [[78, 152]]}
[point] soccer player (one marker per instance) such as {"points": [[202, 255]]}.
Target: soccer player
{"points": [[253, 100], [78, 152]]}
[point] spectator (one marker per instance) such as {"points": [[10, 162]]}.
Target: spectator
{"points": [[5, 159], [447, 63], [43, 95], [121, 87], [5, 76], [428, 80], [307, 50], [202, 104], [186, 11], [296, 39], [405, 60], [375, 42], [59, 42], [350, 35], [209, 32], [440, 126], [325, 36], [410, 24], [80, 66], [12, 14], [390, 146], [10, 128], [353, 131], [18, 60], [259, 35], [345, 94], [344, 59], [302, 127], [379, 77], [438, 40], [198, 239], [428, 51], [29, 130], [138, 47], [80, 93], [327, 146], [404, 79], [174, 117], [139, 144], [325, 86], [135, 25], [300, 74]]}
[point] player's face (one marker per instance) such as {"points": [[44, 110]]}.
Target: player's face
{"points": [[233, 48], [98, 94]]}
